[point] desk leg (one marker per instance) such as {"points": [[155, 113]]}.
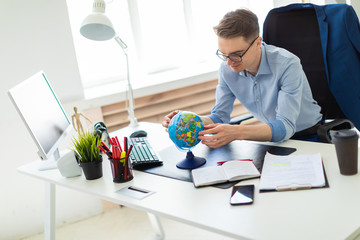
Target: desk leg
{"points": [[49, 224], [156, 224]]}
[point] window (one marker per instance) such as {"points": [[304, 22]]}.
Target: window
{"points": [[100, 62], [162, 35]]}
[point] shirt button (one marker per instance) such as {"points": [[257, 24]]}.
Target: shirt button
{"points": [[255, 82], [257, 100]]}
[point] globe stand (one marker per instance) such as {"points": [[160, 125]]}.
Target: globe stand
{"points": [[191, 162]]}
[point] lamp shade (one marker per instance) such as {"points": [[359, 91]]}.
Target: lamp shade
{"points": [[97, 26]]}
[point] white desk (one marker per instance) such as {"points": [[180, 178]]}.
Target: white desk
{"points": [[326, 213]]}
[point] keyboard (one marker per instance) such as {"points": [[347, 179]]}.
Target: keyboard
{"points": [[142, 155]]}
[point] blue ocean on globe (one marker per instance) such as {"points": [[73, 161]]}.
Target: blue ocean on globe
{"points": [[184, 128]]}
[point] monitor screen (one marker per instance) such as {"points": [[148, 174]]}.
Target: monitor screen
{"points": [[42, 113]]}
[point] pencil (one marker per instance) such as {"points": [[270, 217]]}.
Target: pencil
{"points": [[104, 146], [118, 143], [125, 145], [129, 151]]}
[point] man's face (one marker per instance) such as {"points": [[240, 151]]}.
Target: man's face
{"points": [[238, 46]]}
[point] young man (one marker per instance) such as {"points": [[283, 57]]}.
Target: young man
{"points": [[269, 81]]}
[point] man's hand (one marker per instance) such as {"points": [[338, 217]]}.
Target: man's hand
{"points": [[217, 135], [168, 118]]}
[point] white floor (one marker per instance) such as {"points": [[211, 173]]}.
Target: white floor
{"points": [[126, 223]]}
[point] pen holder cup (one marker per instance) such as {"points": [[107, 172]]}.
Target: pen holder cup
{"points": [[121, 170]]}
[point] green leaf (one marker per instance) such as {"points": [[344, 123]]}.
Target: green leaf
{"points": [[86, 146]]}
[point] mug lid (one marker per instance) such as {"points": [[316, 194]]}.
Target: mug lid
{"points": [[345, 134]]}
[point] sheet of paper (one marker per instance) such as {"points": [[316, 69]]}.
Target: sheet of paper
{"points": [[209, 175], [234, 169], [291, 172]]}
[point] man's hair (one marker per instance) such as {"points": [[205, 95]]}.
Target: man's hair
{"points": [[241, 22]]}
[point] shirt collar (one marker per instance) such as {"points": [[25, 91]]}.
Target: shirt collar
{"points": [[264, 65]]}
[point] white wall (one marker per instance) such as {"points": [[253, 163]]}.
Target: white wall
{"points": [[356, 6], [35, 35]]}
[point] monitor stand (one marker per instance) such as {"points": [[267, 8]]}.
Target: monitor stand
{"points": [[50, 163]]}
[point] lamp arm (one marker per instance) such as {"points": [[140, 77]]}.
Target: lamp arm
{"points": [[129, 92], [121, 43]]}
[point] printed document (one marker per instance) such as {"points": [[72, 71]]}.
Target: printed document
{"points": [[292, 172]]}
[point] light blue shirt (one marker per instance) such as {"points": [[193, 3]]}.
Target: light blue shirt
{"points": [[278, 95]]}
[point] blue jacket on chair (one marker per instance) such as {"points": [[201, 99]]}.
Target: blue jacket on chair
{"points": [[340, 40]]}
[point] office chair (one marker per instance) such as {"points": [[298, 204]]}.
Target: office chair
{"points": [[296, 28]]}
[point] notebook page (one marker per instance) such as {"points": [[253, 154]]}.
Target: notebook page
{"points": [[234, 169]]}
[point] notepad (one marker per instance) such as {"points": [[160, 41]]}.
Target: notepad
{"points": [[229, 171], [291, 172]]}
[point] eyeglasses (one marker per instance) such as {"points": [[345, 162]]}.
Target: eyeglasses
{"points": [[233, 56]]}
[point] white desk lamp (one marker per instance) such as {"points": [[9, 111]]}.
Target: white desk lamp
{"points": [[97, 26]]}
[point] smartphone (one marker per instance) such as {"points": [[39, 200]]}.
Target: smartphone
{"points": [[241, 195]]}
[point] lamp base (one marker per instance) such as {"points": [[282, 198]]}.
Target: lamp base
{"points": [[191, 162], [133, 122]]}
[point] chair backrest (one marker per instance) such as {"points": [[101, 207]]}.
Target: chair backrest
{"points": [[297, 30]]}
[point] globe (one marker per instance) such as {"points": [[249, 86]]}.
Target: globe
{"points": [[183, 130]]}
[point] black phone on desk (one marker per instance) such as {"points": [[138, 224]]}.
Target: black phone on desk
{"points": [[243, 194]]}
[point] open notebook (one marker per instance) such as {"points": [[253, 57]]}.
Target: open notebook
{"points": [[228, 172]]}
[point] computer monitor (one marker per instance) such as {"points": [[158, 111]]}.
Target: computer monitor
{"points": [[43, 115]]}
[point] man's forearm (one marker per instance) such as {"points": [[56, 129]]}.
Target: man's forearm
{"points": [[261, 132]]}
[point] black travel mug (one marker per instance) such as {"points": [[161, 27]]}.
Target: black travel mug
{"points": [[346, 145]]}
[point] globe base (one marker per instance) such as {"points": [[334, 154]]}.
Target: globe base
{"points": [[191, 162]]}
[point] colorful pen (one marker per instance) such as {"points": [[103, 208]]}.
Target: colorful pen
{"points": [[222, 162]]}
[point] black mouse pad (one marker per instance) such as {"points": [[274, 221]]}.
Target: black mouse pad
{"points": [[235, 150]]}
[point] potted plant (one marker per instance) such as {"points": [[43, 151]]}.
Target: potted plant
{"points": [[87, 152]]}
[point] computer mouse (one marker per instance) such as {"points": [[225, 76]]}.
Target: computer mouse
{"points": [[138, 133]]}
